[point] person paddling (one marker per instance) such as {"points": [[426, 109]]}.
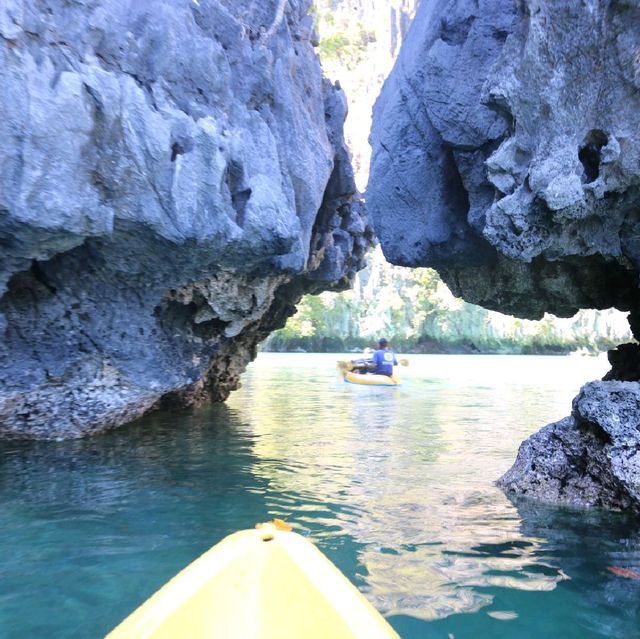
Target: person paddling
{"points": [[384, 359]]}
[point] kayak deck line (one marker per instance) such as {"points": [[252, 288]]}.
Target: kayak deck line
{"points": [[263, 583]]}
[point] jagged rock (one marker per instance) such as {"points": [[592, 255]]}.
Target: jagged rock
{"points": [[625, 363], [173, 180], [506, 154], [591, 458]]}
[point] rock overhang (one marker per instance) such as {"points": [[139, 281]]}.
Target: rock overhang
{"points": [[174, 179], [506, 154], [505, 150]]}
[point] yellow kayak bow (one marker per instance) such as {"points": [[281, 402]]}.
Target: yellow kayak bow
{"points": [[262, 583]]}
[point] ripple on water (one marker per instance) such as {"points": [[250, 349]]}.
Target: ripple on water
{"points": [[395, 485]]}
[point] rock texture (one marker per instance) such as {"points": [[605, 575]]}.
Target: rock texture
{"points": [[506, 154], [173, 180], [591, 458]]}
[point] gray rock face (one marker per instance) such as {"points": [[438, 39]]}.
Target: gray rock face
{"points": [[506, 154], [173, 180], [591, 458]]}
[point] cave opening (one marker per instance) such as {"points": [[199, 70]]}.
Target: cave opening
{"points": [[234, 178], [589, 154]]}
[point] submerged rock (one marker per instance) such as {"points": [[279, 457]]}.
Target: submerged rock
{"points": [[173, 180], [506, 154]]}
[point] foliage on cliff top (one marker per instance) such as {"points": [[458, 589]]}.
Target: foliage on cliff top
{"points": [[343, 40], [415, 309]]}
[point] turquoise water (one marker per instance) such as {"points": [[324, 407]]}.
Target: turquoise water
{"points": [[393, 484]]}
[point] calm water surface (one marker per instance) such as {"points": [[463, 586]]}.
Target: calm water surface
{"points": [[394, 485]]}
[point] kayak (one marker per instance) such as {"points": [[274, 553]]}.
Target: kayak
{"points": [[350, 368], [266, 583], [371, 379]]}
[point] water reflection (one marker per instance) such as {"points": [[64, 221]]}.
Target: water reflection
{"points": [[585, 545], [90, 528], [394, 484], [481, 546], [408, 473]]}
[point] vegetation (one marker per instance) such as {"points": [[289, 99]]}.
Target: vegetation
{"points": [[417, 312], [343, 40]]}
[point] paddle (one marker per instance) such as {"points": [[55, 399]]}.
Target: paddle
{"points": [[345, 365], [348, 365]]}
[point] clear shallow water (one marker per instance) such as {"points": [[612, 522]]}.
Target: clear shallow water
{"points": [[394, 484]]}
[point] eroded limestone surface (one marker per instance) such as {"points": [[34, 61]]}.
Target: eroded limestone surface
{"points": [[506, 154], [173, 180], [590, 458]]}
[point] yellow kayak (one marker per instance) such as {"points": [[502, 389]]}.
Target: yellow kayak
{"points": [[371, 379], [346, 367], [263, 583]]}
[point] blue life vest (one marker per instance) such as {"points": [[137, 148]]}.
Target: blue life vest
{"points": [[384, 360]]}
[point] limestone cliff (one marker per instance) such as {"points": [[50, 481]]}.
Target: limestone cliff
{"points": [[173, 179], [506, 154]]}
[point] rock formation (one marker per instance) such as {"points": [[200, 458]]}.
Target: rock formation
{"points": [[173, 180], [506, 154], [589, 458]]}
